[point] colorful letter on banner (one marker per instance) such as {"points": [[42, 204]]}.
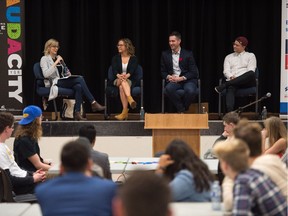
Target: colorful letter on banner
{"points": [[11, 54], [284, 62]]}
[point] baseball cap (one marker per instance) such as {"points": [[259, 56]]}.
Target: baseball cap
{"points": [[29, 114]]}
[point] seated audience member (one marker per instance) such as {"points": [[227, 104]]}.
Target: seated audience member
{"points": [[269, 164], [23, 182], [54, 68], [143, 194], [276, 134], [179, 69], [76, 192], [254, 193], [190, 178], [27, 135], [239, 70], [99, 158]]}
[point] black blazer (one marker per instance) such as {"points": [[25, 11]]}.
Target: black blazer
{"points": [[131, 67], [186, 63]]}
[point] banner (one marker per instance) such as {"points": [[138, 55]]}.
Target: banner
{"points": [[11, 53], [284, 61]]}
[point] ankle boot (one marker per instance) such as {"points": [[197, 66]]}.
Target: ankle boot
{"points": [[78, 117], [131, 102], [123, 115], [96, 107]]}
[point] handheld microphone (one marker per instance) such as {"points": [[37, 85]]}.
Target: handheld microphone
{"points": [[62, 62]]}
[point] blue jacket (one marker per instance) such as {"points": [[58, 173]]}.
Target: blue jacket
{"points": [[76, 194], [183, 188]]}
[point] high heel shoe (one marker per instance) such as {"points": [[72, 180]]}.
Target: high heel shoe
{"points": [[131, 102], [78, 117], [123, 115], [96, 107]]}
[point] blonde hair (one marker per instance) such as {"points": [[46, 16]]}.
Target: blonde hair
{"points": [[234, 152], [33, 130], [275, 129], [48, 44], [129, 46]]}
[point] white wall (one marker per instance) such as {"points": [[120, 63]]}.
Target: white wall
{"points": [[114, 146]]}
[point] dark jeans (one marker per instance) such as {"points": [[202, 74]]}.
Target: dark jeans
{"points": [[78, 84], [244, 81], [181, 103]]}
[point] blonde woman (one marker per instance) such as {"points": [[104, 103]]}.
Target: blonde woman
{"points": [[27, 135], [124, 66], [53, 68], [276, 134]]}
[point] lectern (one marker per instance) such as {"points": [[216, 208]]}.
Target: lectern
{"points": [[167, 127]]}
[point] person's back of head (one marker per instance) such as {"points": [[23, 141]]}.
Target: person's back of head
{"points": [[6, 119], [275, 129], [89, 132], [75, 156], [144, 193], [231, 117], [251, 134]]}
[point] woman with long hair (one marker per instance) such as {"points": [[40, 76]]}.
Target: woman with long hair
{"points": [[124, 66], [27, 135], [190, 178], [275, 133]]}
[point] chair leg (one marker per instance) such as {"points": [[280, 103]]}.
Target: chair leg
{"points": [[55, 110], [163, 99]]}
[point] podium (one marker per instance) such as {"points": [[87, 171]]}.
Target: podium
{"points": [[167, 127]]}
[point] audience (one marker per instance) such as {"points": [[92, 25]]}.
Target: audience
{"points": [[190, 178], [23, 182], [27, 135], [143, 194], [76, 192], [254, 193], [99, 158], [275, 133], [269, 164]]}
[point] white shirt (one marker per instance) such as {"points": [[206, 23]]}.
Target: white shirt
{"points": [[7, 162], [175, 61], [124, 68], [236, 64]]}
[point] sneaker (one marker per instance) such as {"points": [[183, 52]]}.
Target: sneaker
{"points": [[219, 89]]}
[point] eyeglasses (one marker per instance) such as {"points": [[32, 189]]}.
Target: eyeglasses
{"points": [[58, 47], [120, 45]]}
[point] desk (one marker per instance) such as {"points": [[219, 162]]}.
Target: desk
{"points": [[33, 210], [138, 163], [13, 209], [194, 208]]}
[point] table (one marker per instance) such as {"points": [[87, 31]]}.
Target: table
{"points": [[33, 210], [13, 209], [194, 208]]}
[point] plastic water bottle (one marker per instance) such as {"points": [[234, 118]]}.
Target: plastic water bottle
{"points": [[216, 196], [142, 114], [264, 113]]}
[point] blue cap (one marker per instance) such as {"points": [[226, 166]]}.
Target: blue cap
{"points": [[29, 114]]}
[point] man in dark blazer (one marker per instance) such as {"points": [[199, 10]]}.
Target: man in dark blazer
{"points": [[179, 69], [99, 158]]}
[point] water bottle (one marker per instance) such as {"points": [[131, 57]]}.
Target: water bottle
{"points": [[142, 114], [216, 196], [264, 113]]}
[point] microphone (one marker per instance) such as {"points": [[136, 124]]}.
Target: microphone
{"points": [[62, 62], [267, 95]]}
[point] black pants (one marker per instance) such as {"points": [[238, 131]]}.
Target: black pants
{"points": [[244, 81]]}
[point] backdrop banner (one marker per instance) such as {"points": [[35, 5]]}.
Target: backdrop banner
{"points": [[284, 61], [11, 53]]}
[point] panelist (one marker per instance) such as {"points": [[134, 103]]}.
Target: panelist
{"points": [[54, 68], [179, 69]]}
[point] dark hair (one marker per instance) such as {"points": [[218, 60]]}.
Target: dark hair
{"points": [[6, 119], [89, 132], [176, 34], [231, 117], [75, 156], [145, 193], [251, 134], [185, 158]]}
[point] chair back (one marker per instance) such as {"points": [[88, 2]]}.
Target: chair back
{"points": [[138, 75], [6, 194]]}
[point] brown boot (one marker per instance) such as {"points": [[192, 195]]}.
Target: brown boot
{"points": [[78, 117], [131, 102], [123, 115], [96, 107]]}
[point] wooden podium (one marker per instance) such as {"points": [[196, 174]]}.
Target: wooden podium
{"points": [[167, 127]]}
